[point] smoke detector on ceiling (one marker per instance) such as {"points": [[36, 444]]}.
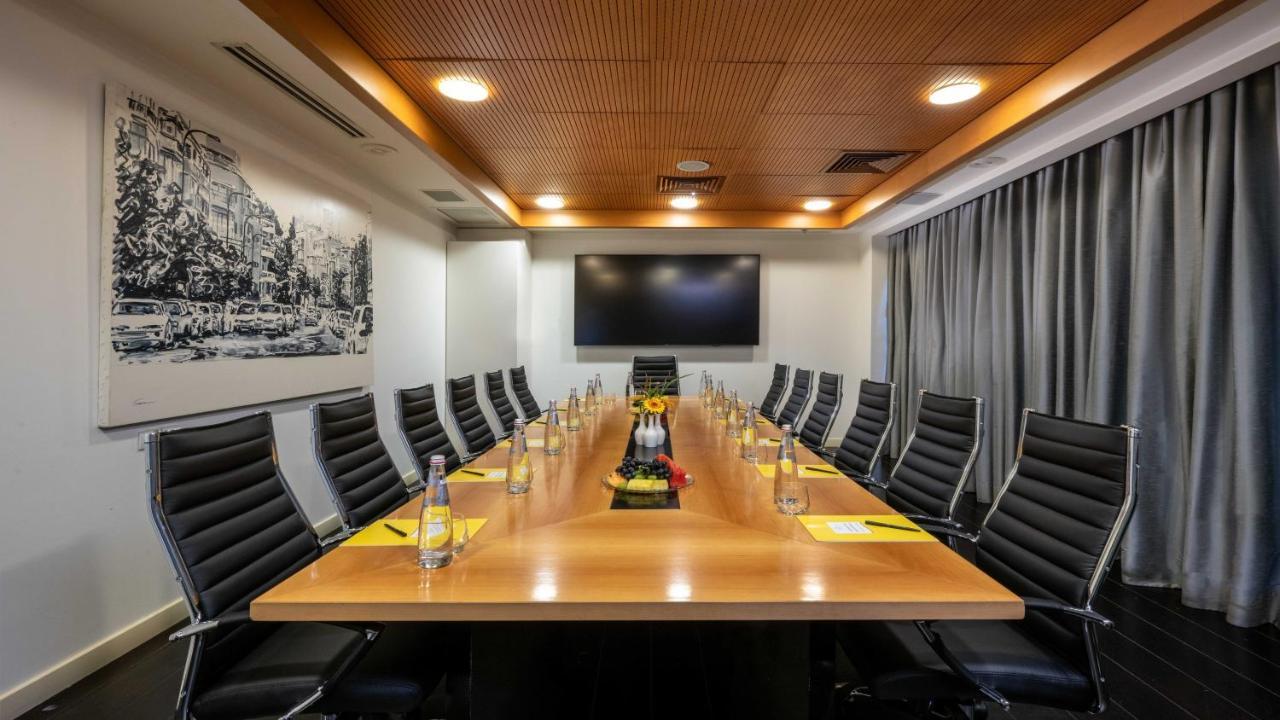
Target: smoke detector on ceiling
{"points": [[986, 162], [693, 166], [378, 149]]}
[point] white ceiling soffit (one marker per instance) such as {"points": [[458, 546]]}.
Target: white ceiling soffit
{"points": [[191, 34], [1236, 44]]}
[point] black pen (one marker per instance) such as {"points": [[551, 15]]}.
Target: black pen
{"points": [[813, 468], [877, 523], [395, 529], [473, 472]]}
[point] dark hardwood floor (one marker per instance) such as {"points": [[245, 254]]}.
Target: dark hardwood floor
{"points": [[1164, 661]]}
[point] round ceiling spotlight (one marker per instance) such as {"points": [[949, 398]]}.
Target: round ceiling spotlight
{"points": [[693, 166], [955, 93], [378, 149], [550, 202], [817, 205], [684, 202], [463, 89]]}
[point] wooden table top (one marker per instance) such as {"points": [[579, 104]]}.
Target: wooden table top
{"points": [[560, 553]]}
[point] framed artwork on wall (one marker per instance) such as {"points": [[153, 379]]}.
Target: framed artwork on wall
{"points": [[228, 277]]}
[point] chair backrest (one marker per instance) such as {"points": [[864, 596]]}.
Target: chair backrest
{"points": [[826, 405], [863, 442], [230, 524], [496, 390], [1056, 523], [654, 370], [529, 408], [422, 429], [362, 479], [769, 406], [938, 457], [801, 388], [464, 404]]}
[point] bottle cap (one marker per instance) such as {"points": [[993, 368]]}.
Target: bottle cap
{"points": [[786, 428], [437, 459]]}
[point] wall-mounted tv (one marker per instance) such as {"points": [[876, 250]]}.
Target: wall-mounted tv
{"points": [[666, 300]]}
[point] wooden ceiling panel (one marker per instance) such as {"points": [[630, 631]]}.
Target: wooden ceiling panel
{"points": [[1027, 31], [861, 89], [594, 99], [499, 29]]}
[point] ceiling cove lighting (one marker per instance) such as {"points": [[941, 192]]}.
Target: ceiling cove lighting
{"points": [[684, 202], [955, 93], [462, 89], [817, 205], [550, 202]]}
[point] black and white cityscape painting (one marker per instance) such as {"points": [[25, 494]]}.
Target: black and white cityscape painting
{"points": [[211, 258]]}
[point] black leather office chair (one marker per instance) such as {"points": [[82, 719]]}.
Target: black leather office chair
{"points": [[529, 408], [656, 370], [826, 405], [931, 473], [496, 391], [773, 399], [801, 388], [362, 479], [423, 431], [468, 419], [233, 529], [1050, 537], [863, 444]]}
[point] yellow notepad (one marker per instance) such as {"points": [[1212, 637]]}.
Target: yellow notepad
{"points": [[489, 475], [805, 471], [850, 528], [532, 442], [377, 534]]}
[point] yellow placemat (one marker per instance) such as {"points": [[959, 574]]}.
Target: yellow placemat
{"points": [[464, 475], [377, 534], [533, 442], [806, 471], [851, 528]]}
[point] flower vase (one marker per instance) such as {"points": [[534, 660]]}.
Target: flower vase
{"points": [[659, 431], [642, 426], [651, 432]]}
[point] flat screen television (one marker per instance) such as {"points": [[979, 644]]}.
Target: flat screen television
{"points": [[666, 300]]}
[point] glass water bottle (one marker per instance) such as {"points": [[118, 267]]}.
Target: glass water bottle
{"points": [[732, 422], [599, 391], [519, 469], [749, 436], [573, 414], [589, 400], [708, 392], [631, 390], [718, 402], [786, 474], [553, 439], [435, 522]]}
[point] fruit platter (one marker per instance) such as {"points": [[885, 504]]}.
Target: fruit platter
{"points": [[648, 477]]}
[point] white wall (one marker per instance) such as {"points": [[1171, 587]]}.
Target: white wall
{"points": [[79, 561], [815, 310]]}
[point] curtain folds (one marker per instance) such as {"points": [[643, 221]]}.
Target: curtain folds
{"points": [[1135, 282]]}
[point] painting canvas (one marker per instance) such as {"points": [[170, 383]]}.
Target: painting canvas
{"points": [[228, 277]]}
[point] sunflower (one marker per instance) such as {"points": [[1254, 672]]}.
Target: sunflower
{"points": [[655, 405]]}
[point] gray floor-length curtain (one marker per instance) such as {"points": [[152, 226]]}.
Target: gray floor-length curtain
{"points": [[1136, 282]]}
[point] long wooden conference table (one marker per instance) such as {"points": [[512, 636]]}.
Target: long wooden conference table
{"points": [[647, 590], [560, 552]]}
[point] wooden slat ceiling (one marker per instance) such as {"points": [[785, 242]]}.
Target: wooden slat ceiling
{"points": [[594, 99]]}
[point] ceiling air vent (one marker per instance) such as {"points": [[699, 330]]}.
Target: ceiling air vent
{"points": [[873, 162], [443, 196], [919, 198], [255, 62], [472, 217], [705, 185]]}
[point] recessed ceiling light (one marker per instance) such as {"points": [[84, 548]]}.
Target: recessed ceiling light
{"points": [[684, 202], [377, 149], [954, 93], [817, 205], [462, 89], [693, 166], [550, 202]]}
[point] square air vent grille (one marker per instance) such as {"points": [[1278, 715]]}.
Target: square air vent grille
{"points": [[443, 196], [705, 185], [871, 162]]}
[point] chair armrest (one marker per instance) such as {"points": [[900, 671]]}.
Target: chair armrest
{"points": [[1055, 606], [231, 619], [933, 520], [336, 538], [944, 653], [952, 532]]}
